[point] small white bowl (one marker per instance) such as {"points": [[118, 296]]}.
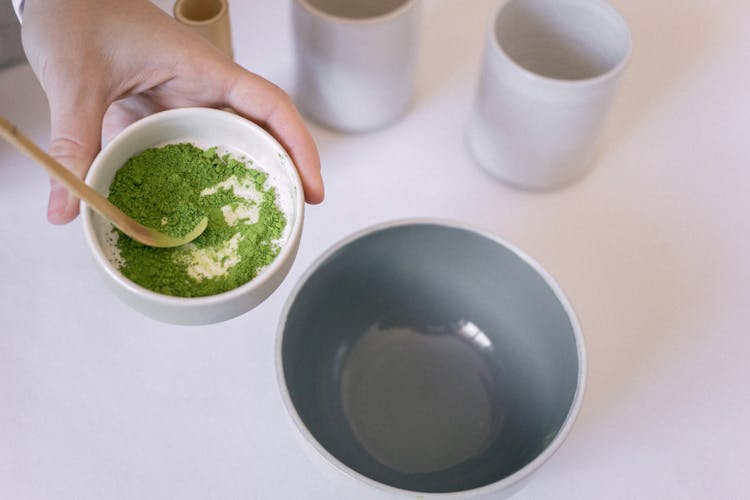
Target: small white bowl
{"points": [[205, 128]]}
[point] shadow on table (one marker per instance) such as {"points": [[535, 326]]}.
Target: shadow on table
{"points": [[451, 45], [668, 43], [639, 281]]}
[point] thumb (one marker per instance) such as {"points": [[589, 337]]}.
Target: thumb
{"points": [[75, 139]]}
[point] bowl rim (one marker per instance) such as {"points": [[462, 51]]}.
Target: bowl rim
{"points": [[263, 277], [505, 483]]}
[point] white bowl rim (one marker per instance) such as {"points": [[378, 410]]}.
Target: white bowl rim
{"points": [[508, 481], [258, 281]]}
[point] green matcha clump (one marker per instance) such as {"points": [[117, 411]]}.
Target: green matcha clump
{"points": [[170, 189]]}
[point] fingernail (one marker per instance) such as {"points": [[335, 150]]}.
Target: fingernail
{"points": [[62, 207]]}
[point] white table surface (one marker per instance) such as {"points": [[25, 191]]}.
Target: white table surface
{"points": [[652, 247]]}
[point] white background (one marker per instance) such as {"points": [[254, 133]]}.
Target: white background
{"points": [[652, 247]]}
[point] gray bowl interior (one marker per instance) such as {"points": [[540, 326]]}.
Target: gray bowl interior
{"points": [[430, 358]]}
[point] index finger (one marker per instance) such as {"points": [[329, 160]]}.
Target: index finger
{"points": [[261, 101]]}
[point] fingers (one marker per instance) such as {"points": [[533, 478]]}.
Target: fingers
{"points": [[266, 104], [125, 112], [75, 138]]}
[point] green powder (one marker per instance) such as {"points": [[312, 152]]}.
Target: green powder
{"points": [[171, 188]]}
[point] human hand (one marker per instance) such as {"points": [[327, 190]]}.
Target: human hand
{"points": [[106, 63]]}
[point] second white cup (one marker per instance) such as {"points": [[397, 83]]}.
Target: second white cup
{"points": [[355, 60], [549, 74]]}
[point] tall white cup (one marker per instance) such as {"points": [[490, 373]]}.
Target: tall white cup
{"points": [[549, 72], [355, 60]]}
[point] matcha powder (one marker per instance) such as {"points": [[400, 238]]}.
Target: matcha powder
{"points": [[171, 188]]}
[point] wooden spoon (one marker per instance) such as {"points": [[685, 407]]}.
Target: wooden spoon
{"points": [[99, 203]]}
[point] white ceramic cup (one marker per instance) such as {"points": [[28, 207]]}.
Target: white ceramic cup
{"points": [[549, 74], [355, 60]]}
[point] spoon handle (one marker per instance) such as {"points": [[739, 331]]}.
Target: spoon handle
{"points": [[96, 201], [82, 190], [52, 166]]}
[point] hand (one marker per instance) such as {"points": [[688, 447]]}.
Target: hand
{"points": [[107, 63]]}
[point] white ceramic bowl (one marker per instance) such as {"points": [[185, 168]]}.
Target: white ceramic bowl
{"points": [[205, 128]]}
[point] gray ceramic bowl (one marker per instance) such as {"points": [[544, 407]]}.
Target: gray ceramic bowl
{"points": [[425, 357]]}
